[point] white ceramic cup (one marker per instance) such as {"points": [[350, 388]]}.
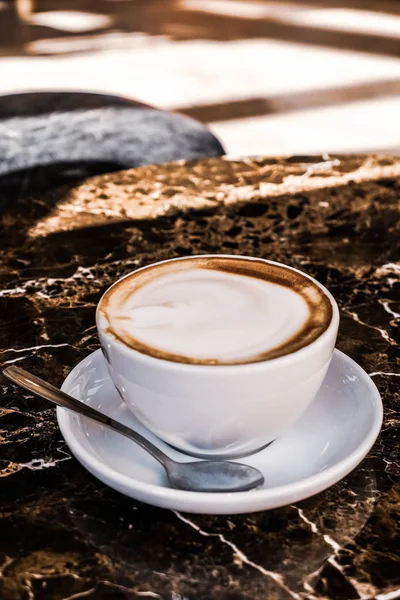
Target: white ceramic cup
{"points": [[219, 410]]}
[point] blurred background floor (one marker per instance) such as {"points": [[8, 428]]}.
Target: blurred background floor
{"points": [[269, 77]]}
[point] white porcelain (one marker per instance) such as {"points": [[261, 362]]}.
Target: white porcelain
{"points": [[219, 411], [327, 442]]}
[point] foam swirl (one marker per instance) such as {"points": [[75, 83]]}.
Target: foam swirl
{"points": [[197, 313]]}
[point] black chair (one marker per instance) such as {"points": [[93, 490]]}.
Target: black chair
{"points": [[48, 138]]}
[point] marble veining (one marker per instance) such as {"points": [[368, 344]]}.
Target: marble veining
{"points": [[66, 536]]}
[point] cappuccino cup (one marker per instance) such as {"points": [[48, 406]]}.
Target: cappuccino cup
{"points": [[217, 355]]}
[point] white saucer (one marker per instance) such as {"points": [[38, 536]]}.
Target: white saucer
{"points": [[330, 439]]}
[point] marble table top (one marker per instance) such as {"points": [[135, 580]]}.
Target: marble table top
{"points": [[63, 533]]}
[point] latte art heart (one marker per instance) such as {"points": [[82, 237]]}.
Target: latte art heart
{"points": [[216, 310]]}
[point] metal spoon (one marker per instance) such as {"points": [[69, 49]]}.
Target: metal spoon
{"points": [[197, 476]]}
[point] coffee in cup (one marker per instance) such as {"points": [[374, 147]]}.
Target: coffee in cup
{"points": [[216, 311]]}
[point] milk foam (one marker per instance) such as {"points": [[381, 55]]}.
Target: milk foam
{"points": [[206, 314]]}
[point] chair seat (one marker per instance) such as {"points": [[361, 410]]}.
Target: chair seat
{"points": [[43, 128]]}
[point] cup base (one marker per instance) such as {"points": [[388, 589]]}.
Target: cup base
{"points": [[220, 456]]}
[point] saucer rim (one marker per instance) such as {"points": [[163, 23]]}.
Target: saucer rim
{"points": [[222, 502]]}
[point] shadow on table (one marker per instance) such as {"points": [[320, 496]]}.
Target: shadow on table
{"points": [[297, 543]]}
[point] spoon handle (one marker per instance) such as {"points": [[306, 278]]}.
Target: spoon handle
{"points": [[50, 392]]}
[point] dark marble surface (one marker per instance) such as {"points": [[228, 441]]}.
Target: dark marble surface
{"points": [[66, 536]]}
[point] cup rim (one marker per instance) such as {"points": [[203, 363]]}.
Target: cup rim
{"points": [[218, 368]]}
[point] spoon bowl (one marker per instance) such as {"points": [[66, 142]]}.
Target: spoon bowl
{"points": [[214, 476]]}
